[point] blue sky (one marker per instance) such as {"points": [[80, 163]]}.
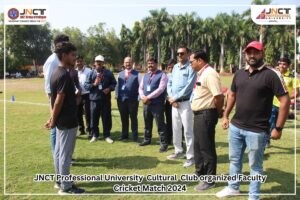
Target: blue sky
{"points": [[83, 14]]}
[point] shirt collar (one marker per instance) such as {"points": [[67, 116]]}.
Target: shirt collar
{"points": [[185, 65], [82, 70], [259, 69], [153, 72], [287, 73], [202, 70]]}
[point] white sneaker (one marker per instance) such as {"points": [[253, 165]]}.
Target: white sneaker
{"points": [[175, 156], [109, 140], [57, 185], [189, 162], [94, 139], [227, 192]]}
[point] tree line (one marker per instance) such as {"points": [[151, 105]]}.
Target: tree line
{"points": [[157, 35]]}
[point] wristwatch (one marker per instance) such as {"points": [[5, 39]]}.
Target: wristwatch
{"points": [[278, 128]]}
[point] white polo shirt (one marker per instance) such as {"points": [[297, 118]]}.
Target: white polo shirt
{"points": [[82, 76]]}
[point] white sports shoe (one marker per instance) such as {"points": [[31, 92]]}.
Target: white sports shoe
{"points": [[94, 139], [189, 162], [109, 140], [227, 192]]}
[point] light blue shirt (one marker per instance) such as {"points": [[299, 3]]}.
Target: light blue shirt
{"points": [[181, 81]]}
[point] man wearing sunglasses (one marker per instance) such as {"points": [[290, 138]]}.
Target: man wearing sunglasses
{"points": [[180, 87]]}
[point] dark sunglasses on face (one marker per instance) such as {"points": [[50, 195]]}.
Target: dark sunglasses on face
{"points": [[180, 53]]}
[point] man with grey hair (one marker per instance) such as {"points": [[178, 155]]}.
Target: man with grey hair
{"points": [[127, 94]]}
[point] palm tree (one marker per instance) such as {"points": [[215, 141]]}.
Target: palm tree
{"points": [[155, 26], [170, 36], [126, 41], [283, 36], [222, 27]]}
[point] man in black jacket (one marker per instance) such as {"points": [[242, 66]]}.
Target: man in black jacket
{"points": [[100, 82]]}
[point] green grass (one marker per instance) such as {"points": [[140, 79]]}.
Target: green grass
{"points": [[28, 152]]}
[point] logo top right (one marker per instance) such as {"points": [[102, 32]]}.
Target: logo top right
{"points": [[273, 14]]}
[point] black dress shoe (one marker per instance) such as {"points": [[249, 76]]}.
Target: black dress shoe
{"points": [[144, 143], [122, 138], [82, 133], [136, 140], [204, 186], [135, 137], [163, 149]]}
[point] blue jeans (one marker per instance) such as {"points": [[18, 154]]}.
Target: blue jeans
{"points": [[272, 122], [53, 139], [239, 139]]}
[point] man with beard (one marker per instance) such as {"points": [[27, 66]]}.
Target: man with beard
{"points": [[252, 89]]}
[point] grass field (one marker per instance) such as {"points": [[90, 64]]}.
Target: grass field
{"points": [[28, 153]]}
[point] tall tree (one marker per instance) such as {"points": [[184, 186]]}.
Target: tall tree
{"points": [[222, 27], [155, 26]]}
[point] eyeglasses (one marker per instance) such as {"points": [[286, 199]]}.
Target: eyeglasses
{"points": [[180, 53], [191, 61]]}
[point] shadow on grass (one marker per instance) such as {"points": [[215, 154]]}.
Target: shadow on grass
{"points": [[128, 162], [284, 181]]}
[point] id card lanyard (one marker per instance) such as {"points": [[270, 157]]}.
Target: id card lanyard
{"points": [[126, 78], [101, 76], [150, 80]]}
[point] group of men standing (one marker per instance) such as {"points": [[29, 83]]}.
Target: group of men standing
{"points": [[192, 90]]}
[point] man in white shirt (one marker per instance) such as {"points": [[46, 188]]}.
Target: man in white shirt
{"points": [[48, 68], [84, 105]]}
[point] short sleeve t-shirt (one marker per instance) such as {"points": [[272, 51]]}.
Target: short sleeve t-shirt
{"points": [[62, 83], [254, 97], [291, 83]]}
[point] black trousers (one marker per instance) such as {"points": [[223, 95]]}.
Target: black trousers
{"points": [[129, 108], [204, 142], [155, 111], [101, 108], [84, 109], [168, 114]]}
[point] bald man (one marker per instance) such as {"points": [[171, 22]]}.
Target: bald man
{"points": [[127, 96]]}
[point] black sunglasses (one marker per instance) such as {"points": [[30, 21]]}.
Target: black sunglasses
{"points": [[180, 53]]}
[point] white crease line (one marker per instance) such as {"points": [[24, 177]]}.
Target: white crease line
{"points": [[25, 102]]}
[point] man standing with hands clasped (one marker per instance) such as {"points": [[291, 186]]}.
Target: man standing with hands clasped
{"points": [[152, 92], [180, 87], [127, 92], [100, 82], [252, 90], [207, 102], [64, 115]]}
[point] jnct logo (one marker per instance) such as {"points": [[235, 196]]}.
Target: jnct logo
{"points": [[275, 13], [33, 12], [13, 13], [21, 15]]}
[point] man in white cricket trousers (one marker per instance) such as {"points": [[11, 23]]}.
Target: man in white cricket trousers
{"points": [[180, 87]]}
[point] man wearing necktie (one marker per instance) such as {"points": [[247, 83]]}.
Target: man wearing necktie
{"points": [[152, 93], [127, 94]]}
